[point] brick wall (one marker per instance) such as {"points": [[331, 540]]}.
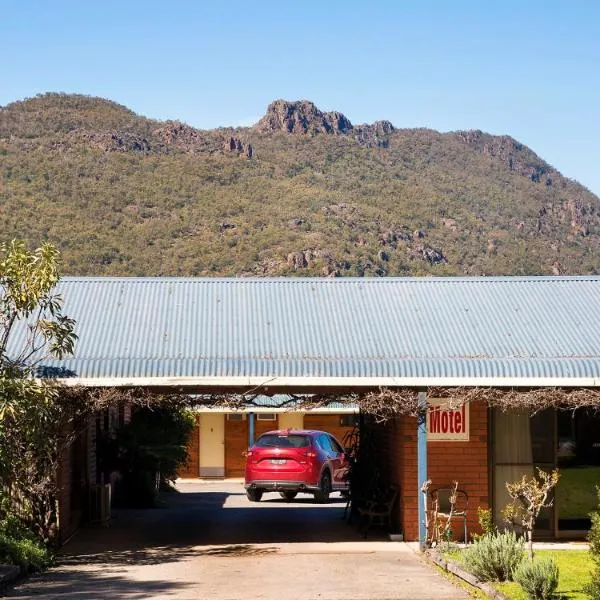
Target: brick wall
{"points": [[466, 462], [191, 468]]}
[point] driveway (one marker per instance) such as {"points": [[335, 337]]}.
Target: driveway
{"points": [[210, 542]]}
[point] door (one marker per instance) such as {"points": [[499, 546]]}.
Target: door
{"points": [[212, 445]]}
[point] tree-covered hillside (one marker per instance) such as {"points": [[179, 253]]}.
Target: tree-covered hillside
{"points": [[301, 193]]}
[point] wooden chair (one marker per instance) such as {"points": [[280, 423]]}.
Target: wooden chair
{"points": [[440, 498], [378, 511]]}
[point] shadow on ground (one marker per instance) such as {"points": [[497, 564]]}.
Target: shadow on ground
{"points": [[225, 521], [85, 585]]}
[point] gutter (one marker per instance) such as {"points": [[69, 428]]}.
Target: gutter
{"points": [[271, 384]]}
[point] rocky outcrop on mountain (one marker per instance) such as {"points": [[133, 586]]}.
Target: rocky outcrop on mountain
{"points": [[237, 146], [108, 141], [375, 135], [517, 157], [180, 136], [301, 117]]}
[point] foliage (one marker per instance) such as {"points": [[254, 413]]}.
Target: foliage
{"points": [[146, 453], [593, 588], [485, 517], [495, 556], [27, 279], [36, 423], [18, 546], [539, 578], [573, 566], [96, 180], [529, 497]]}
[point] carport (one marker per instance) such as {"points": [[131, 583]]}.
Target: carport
{"points": [[230, 340]]}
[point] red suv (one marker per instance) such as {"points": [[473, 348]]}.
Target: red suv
{"points": [[289, 461]]}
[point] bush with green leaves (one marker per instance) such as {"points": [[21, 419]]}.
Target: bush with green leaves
{"points": [[495, 556], [19, 546], [486, 523], [593, 588], [538, 578]]}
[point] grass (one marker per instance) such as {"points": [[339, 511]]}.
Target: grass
{"points": [[576, 494], [574, 572], [574, 568]]}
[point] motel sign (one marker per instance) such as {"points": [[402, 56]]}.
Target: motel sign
{"points": [[445, 423]]}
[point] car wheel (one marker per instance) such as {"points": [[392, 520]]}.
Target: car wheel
{"points": [[254, 495], [288, 496], [322, 495]]}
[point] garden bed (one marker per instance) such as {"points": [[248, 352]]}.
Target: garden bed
{"points": [[574, 567]]}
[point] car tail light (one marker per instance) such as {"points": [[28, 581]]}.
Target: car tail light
{"points": [[308, 456]]}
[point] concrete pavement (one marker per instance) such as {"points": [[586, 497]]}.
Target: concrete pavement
{"points": [[212, 543]]}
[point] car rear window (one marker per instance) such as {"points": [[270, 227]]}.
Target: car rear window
{"points": [[283, 441]]}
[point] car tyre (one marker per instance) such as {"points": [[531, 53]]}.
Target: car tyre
{"points": [[322, 496], [288, 496], [254, 495]]}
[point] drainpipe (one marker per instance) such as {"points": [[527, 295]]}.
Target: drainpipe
{"points": [[251, 417], [422, 465]]}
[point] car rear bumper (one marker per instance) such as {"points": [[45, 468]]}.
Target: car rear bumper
{"points": [[280, 486]]}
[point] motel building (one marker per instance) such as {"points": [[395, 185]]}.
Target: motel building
{"points": [[439, 339]]}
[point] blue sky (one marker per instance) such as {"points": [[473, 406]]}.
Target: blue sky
{"points": [[530, 69]]}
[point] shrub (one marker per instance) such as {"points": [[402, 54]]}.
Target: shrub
{"points": [[19, 546], [486, 522], [594, 533], [28, 554], [593, 588], [495, 556], [538, 578]]}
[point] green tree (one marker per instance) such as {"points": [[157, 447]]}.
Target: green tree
{"points": [[27, 298], [36, 422]]}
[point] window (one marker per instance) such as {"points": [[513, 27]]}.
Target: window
{"points": [[324, 442], [335, 445], [270, 440], [266, 416], [236, 417]]}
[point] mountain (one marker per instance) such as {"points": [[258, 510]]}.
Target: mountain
{"points": [[302, 192]]}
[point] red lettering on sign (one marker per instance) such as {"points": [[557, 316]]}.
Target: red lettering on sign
{"points": [[434, 419], [444, 422]]}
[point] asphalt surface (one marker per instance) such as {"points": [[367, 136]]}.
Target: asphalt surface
{"points": [[210, 542]]}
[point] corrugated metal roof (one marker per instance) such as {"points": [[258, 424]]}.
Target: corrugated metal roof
{"points": [[313, 328]]}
